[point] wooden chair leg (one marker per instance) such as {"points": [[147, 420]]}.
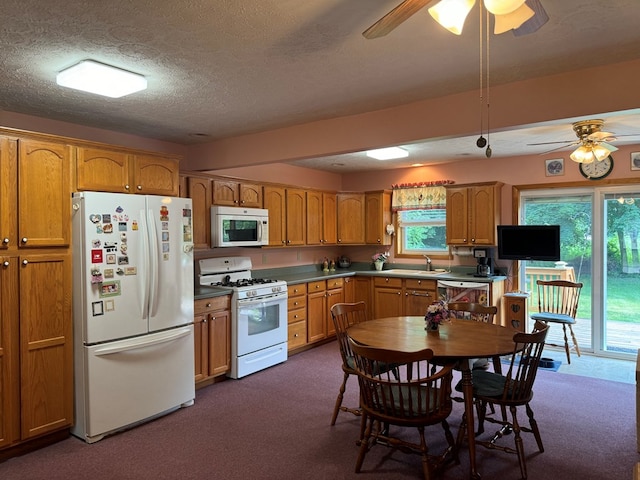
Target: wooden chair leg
{"points": [[566, 343], [367, 424], [519, 443], [534, 428], [575, 342], [336, 408]]}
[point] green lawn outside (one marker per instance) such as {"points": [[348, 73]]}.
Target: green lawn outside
{"points": [[622, 298]]}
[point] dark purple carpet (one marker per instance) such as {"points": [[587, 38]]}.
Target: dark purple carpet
{"points": [[275, 425]]}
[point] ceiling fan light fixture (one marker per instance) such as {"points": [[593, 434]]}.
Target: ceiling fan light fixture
{"points": [[451, 14], [582, 154], [513, 20], [101, 79], [389, 153], [502, 7]]}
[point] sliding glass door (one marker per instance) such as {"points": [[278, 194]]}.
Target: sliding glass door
{"points": [[573, 211], [600, 235], [620, 332]]}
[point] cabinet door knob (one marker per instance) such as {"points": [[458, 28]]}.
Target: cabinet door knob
{"points": [[208, 305], [139, 187], [5, 241], [5, 264], [127, 187], [24, 262], [24, 239]]}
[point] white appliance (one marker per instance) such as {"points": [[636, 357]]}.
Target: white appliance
{"points": [[455, 291], [258, 313], [133, 310], [239, 227]]}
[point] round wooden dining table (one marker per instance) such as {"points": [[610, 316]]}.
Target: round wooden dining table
{"points": [[459, 340]]}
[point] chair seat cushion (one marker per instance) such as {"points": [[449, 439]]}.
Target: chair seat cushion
{"points": [[486, 384], [553, 317]]}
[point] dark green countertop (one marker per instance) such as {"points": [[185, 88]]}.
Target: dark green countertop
{"points": [[311, 273]]}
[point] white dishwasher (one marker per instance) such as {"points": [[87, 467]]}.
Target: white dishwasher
{"points": [[456, 291]]}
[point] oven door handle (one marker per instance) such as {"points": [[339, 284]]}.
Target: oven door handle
{"points": [[247, 302]]}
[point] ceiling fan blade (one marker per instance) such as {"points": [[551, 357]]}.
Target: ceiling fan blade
{"points": [[566, 142], [555, 149], [534, 23], [602, 137], [394, 18]]}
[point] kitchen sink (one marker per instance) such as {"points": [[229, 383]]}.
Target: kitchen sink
{"points": [[406, 271]]}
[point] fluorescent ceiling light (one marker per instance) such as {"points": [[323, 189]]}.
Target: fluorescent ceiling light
{"points": [[101, 79], [389, 153]]}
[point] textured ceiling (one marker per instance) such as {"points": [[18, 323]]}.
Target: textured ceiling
{"points": [[221, 68]]}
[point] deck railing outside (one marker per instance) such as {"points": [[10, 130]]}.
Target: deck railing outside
{"points": [[533, 274]]}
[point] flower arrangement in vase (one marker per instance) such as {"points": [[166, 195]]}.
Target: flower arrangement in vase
{"points": [[379, 259], [437, 313]]}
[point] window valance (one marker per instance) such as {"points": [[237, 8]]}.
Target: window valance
{"points": [[412, 196]]}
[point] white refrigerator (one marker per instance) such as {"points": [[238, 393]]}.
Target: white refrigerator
{"points": [[133, 310]]}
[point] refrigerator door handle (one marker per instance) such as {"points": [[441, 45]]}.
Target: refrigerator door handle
{"points": [[154, 270], [143, 342], [144, 259]]}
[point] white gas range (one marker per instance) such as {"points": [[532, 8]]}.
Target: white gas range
{"points": [[258, 313]]}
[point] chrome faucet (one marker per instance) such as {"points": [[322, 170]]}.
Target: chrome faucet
{"points": [[428, 263]]}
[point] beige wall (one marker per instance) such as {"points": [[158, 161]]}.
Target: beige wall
{"points": [[259, 157], [577, 94]]}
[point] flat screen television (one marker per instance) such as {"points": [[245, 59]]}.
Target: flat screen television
{"points": [[529, 242]]}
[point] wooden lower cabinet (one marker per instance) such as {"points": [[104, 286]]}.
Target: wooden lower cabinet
{"points": [[335, 294], [418, 295], [212, 332], [297, 316], [387, 297], [321, 296], [316, 311], [396, 296], [36, 346]]}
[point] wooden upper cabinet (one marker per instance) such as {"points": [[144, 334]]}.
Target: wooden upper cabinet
{"points": [[102, 170], [156, 175], [8, 193], [237, 194], [378, 215], [321, 218], [275, 201], [43, 195], [473, 212], [351, 218], [330, 216], [105, 170], [457, 216], [199, 191], [296, 216]]}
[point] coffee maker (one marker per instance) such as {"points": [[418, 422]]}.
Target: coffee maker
{"points": [[484, 257]]}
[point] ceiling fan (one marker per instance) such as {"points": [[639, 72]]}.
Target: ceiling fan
{"points": [[593, 143], [521, 16]]}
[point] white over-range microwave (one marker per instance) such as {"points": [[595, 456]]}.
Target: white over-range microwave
{"points": [[239, 227]]}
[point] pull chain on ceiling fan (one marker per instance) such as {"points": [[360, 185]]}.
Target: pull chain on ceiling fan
{"points": [[484, 27]]}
